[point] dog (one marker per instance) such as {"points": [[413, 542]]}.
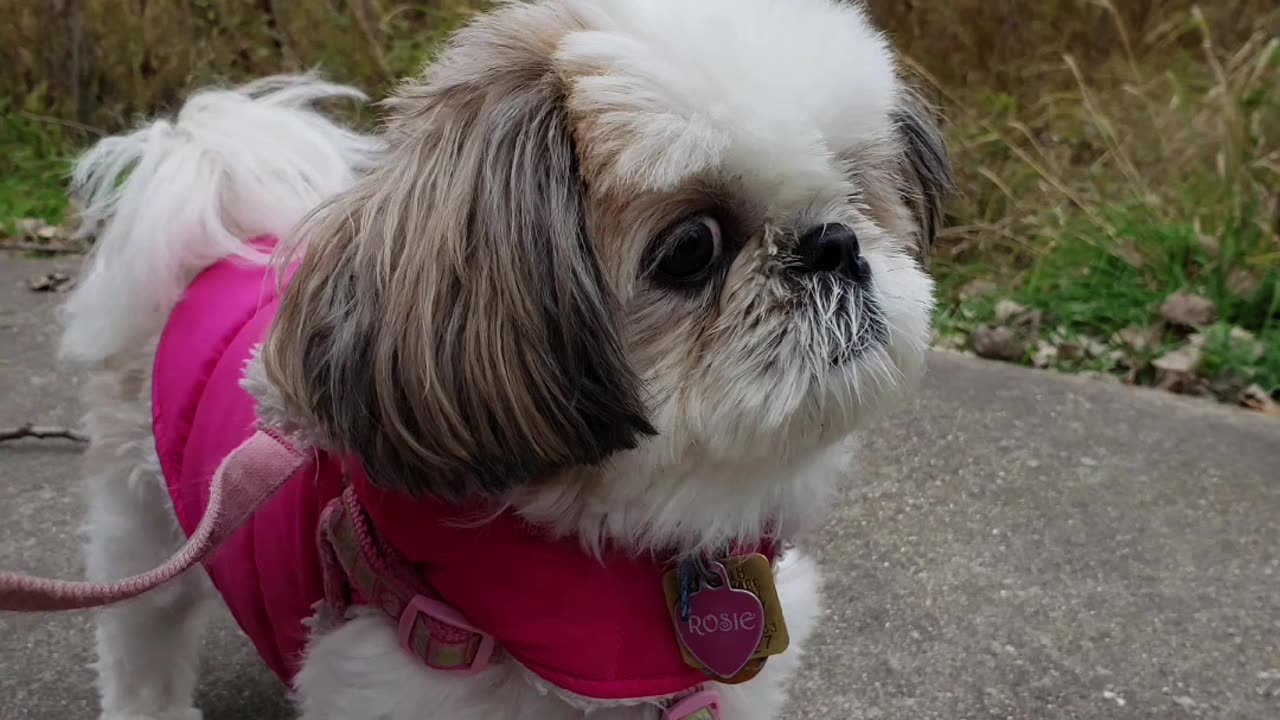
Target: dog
{"points": [[606, 298]]}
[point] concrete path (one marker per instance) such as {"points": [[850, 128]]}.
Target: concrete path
{"points": [[1022, 546]]}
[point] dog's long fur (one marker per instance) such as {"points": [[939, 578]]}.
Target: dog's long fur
{"points": [[475, 313]]}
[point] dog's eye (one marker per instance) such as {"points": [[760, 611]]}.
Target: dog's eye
{"points": [[692, 249]]}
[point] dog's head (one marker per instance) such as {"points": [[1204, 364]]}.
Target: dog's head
{"points": [[666, 227]]}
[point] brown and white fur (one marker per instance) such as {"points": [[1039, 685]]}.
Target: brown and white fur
{"points": [[485, 307]]}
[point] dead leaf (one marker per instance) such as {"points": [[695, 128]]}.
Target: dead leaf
{"points": [[1243, 282], [977, 289], [51, 233], [1095, 348], [1183, 361], [1129, 252], [1188, 310], [1007, 310], [999, 343], [949, 342], [1102, 377], [1016, 315], [28, 227], [37, 232], [1071, 351], [40, 231], [1178, 370], [1209, 243], [1046, 355], [1136, 339], [52, 282], [1245, 340], [1255, 398]]}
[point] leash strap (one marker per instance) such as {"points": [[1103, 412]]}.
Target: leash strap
{"points": [[245, 480]]}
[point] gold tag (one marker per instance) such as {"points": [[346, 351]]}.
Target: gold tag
{"points": [[754, 574]]}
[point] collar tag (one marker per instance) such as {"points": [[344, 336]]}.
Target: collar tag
{"points": [[726, 615]]}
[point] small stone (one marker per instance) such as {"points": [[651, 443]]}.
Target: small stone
{"points": [[1114, 697], [999, 343], [1188, 311]]}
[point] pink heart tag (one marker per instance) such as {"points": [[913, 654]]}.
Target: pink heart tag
{"points": [[724, 626]]}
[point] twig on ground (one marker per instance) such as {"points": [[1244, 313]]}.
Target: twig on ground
{"points": [[52, 248], [37, 432]]}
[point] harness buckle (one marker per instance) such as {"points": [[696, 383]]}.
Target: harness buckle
{"points": [[442, 638], [704, 705]]}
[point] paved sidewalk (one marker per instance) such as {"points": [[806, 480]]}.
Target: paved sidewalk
{"points": [[1022, 546]]}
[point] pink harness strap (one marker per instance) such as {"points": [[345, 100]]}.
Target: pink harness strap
{"points": [[247, 478], [361, 568]]}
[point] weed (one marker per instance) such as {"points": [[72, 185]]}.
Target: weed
{"points": [[34, 166]]}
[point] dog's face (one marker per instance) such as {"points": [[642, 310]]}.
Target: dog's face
{"points": [[681, 231]]}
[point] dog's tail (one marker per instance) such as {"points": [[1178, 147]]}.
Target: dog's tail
{"points": [[173, 197]]}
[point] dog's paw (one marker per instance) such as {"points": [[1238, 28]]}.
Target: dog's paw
{"points": [[182, 714]]}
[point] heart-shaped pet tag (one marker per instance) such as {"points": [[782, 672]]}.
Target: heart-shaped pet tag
{"points": [[723, 626]]}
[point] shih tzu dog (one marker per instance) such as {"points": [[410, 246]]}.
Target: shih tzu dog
{"points": [[575, 348]]}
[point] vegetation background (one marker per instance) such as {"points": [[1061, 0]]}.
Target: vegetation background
{"points": [[1118, 160]]}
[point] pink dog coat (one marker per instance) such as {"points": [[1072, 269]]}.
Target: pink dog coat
{"points": [[597, 630]]}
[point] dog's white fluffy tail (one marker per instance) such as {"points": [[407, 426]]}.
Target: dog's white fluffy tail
{"points": [[172, 198]]}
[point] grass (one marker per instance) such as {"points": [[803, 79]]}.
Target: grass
{"points": [[1108, 154], [1092, 284], [1094, 200], [34, 163]]}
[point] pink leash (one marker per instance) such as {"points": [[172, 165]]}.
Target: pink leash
{"points": [[246, 479]]}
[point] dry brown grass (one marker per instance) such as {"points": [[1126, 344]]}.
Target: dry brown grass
{"points": [[1108, 152], [101, 62], [1072, 106]]}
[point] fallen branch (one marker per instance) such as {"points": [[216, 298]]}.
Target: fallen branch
{"points": [[52, 248], [37, 432]]}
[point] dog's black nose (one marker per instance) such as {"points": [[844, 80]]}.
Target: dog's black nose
{"points": [[833, 248]]}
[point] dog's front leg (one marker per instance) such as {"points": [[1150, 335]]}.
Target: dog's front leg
{"points": [[147, 648], [358, 671]]}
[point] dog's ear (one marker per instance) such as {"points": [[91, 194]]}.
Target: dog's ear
{"points": [[924, 167], [449, 322]]}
